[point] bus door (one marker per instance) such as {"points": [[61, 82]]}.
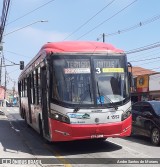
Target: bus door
{"points": [[44, 100], [29, 97]]}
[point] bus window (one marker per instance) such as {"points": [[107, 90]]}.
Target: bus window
{"points": [[25, 87], [35, 86], [38, 86]]}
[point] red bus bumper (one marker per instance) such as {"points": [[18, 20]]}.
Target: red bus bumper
{"points": [[66, 132]]}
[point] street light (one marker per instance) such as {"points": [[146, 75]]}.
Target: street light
{"points": [[40, 21], [1, 48]]}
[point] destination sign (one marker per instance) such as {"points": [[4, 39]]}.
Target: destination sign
{"points": [[78, 63], [109, 63], [77, 70], [107, 70]]}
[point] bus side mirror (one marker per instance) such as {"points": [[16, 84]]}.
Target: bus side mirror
{"points": [[130, 78], [21, 65]]}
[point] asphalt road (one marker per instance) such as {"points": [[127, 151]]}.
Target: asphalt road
{"points": [[21, 141]]}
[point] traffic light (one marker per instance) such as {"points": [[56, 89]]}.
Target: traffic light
{"points": [[21, 65]]}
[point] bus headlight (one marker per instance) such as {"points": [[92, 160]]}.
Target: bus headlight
{"points": [[62, 118], [126, 114]]}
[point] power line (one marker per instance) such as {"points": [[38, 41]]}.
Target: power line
{"points": [[146, 59], [40, 21], [148, 62], [17, 54], [140, 24], [108, 19], [89, 19], [147, 56], [143, 48], [9, 61], [31, 11], [144, 54]]}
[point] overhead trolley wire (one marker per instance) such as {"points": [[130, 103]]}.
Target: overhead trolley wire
{"points": [[155, 61], [145, 59], [107, 19], [138, 25], [31, 12], [89, 19], [143, 48], [146, 54]]}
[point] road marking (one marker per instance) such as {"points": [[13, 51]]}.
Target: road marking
{"points": [[59, 157]]}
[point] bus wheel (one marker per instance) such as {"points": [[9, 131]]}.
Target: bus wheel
{"points": [[155, 136]]}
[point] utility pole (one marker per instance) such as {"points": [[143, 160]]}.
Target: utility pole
{"points": [[6, 4], [103, 35]]}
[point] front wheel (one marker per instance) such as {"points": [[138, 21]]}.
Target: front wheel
{"points": [[155, 136]]}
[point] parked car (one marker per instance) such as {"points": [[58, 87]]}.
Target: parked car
{"points": [[146, 120]]}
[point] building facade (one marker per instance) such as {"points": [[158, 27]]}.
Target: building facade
{"points": [[146, 85]]}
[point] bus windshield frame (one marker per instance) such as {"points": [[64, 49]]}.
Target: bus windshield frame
{"points": [[79, 80]]}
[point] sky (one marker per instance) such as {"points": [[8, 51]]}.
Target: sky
{"points": [[80, 20]]}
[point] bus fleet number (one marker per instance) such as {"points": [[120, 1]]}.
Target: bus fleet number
{"points": [[113, 117]]}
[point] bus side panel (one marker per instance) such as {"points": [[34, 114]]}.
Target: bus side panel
{"points": [[66, 132], [23, 106]]}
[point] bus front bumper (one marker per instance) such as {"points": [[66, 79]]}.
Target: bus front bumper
{"points": [[60, 131]]}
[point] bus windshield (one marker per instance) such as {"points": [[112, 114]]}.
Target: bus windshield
{"points": [[111, 81], [72, 81], [88, 81]]}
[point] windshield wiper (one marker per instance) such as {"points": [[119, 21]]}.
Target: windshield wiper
{"points": [[84, 97], [111, 102]]}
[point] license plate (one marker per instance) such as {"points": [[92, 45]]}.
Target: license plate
{"points": [[97, 136]]}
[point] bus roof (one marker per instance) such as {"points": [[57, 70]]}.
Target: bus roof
{"points": [[71, 47], [80, 46]]}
